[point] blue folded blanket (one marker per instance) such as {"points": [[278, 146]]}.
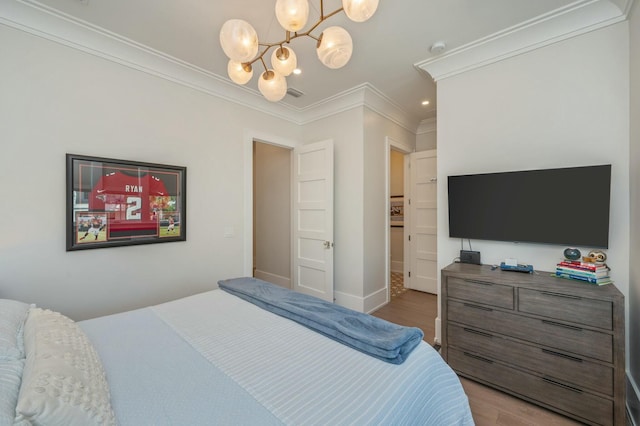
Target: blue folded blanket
{"points": [[373, 336]]}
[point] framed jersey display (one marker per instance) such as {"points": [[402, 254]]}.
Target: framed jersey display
{"points": [[118, 202]]}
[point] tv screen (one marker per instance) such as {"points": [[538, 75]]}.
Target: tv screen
{"points": [[567, 206]]}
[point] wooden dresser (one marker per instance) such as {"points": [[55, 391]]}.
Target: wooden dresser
{"points": [[554, 342]]}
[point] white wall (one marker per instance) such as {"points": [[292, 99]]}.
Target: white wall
{"points": [[566, 104], [427, 135], [58, 100], [359, 136], [633, 349], [346, 130], [272, 214], [376, 131]]}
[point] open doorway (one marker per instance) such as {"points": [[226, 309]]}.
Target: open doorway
{"points": [[396, 164], [412, 216], [396, 222], [272, 213], [418, 232], [310, 215]]}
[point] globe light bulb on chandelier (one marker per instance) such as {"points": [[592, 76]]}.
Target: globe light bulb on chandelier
{"points": [[239, 40], [292, 14], [359, 10], [272, 85], [284, 60], [240, 73], [334, 45]]}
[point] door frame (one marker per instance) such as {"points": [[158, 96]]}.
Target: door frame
{"points": [[404, 148], [249, 136]]}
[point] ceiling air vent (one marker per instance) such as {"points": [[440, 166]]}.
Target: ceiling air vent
{"points": [[294, 92]]}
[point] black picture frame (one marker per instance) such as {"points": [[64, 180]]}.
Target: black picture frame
{"points": [[112, 203]]}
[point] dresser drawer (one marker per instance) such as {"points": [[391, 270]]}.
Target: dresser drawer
{"points": [[553, 334], [596, 313], [481, 292], [554, 393], [567, 368]]}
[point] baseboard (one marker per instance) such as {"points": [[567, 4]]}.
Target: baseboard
{"points": [[397, 266], [375, 301], [361, 304], [349, 301], [633, 401], [437, 337], [273, 278], [367, 304]]}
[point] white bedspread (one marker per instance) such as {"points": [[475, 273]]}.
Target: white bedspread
{"points": [[261, 368]]}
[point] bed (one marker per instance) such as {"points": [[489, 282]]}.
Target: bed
{"points": [[215, 358]]}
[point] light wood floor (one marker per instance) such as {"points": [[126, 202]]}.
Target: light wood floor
{"points": [[488, 406]]}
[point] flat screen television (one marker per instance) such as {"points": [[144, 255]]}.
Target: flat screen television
{"points": [[566, 206]]}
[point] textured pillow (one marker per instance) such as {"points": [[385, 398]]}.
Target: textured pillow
{"points": [[10, 374], [12, 316], [63, 382]]}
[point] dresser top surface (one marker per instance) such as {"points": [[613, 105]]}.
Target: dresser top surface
{"points": [[542, 280]]}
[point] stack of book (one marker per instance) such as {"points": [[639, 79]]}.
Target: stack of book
{"points": [[594, 273]]}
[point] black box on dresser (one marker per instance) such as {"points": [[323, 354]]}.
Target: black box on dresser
{"points": [[551, 341]]}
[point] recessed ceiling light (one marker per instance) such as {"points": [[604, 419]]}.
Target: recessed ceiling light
{"points": [[425, 103], [297, 71]]}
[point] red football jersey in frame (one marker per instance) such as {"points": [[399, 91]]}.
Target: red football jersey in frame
{"points": [[128, 200]]}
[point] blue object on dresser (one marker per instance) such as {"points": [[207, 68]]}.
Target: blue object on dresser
{"points": [[517, 268]]}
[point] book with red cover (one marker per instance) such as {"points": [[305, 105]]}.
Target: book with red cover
{"points": [[584, 265]]}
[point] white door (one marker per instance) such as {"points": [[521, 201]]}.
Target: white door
{"points": [[313, 219], [422, 206]]}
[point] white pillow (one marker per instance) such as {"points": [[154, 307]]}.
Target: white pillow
{"points": [[63, 382], [10, 374], [12, 316]]}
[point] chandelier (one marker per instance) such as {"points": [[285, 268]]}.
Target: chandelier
{"points": [[334, 46]]}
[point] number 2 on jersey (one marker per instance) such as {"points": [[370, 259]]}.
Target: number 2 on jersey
{"points": [[134, 208]]}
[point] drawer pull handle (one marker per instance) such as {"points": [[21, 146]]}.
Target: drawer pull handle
{"points": [[562, 385], [564, 296], [479, 358], [569, 357], [470, 330], [480, 282], [557, 324], [482, 308]]}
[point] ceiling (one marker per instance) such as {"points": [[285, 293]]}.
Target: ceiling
{"points": [[386, 47]]}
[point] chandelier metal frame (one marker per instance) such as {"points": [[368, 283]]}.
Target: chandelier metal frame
{"points": [[334, 45], [289, 38]]}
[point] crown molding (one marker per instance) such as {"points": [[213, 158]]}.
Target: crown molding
{"points": [[574, 19], [51, 24], [427, 125], [380, 103], [42, 21], [363, 95]]}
